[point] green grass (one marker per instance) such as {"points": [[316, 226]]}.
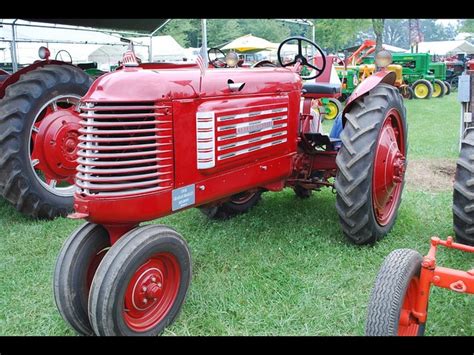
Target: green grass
{"points": [[282, 269]]}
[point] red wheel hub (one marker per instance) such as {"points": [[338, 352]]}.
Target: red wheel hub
{"points": [[389, 168], [408, 325], [54, 144], [151, 292]]}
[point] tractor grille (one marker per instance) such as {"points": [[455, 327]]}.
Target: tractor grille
{"points": [[125, 148]]}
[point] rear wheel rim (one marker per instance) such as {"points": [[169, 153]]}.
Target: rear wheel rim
{"points": [[53, 142], [332, 111], [437, 90], [151, 292], [421, 90], [389, 168], [243, 197], [408, 325]]}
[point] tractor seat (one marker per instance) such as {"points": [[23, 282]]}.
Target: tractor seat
{"points": [[321, 88]]}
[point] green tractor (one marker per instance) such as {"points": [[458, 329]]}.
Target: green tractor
{"points": [[439, 70], [417, 74]]}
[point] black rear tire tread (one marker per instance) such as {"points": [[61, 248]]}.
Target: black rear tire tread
{"points": [[463, 195], [16, 176], [389, 290], [71, 267], [355, 163], [448, 87]]}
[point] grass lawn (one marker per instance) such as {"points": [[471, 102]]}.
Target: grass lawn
{"points": [[282, 269]]}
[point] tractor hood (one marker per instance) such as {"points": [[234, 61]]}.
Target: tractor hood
{"points": [[138, 84], [174, 82]]}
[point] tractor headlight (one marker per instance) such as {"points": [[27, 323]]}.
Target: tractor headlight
{"points": [[383, 59], [43, 52]]}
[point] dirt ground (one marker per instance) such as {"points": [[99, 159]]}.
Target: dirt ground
{"points": [[430, 174]]}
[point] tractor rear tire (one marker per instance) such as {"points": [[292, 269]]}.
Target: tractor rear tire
{"points": [[448, 87], [422, 89], [368, 120], [18, 110], [238, 204], [399, 273], [463, 196], [301, 192], [75, 267], [439, 89]]}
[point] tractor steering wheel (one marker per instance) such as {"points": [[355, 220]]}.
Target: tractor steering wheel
{"points": [[61, 56], [301, 58], [219, 58]]}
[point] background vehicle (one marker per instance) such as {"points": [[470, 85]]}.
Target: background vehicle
{"points": [[39, 123], [182, 136]]}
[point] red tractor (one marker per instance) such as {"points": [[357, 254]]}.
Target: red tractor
{"points": [[39, 125], [156, 139]]}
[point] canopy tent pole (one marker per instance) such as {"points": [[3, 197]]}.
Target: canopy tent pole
{"points": [[204, 32], [150, 50], [13, 48]]}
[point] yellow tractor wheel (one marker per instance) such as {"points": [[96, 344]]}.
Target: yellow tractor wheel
{"points": [[332, 107], [439, 88], [422, 89]]}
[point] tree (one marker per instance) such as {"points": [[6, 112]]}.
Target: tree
{"points": [[270, 29], [378, 25], [336, 34], [396, 33], [220, 31], [184, 31], [467, 25]]}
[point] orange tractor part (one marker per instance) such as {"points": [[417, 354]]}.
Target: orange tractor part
{"points": [[399, 301]]}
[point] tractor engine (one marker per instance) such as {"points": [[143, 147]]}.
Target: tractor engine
{"points": [[151, 137]]}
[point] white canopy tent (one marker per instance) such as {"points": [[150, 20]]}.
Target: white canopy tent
{"points": [[164, 49], [79, 43], [446, 47], [107, 56], [394, 49]]}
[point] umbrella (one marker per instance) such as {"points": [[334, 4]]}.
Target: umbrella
{"points": [[249, 43]]}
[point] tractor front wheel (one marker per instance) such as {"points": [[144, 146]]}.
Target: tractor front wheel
{"points": [[439, 89], [422, 89], [75, 268], [394, 296], [448, 87], [407, 92], [238, 204], [39, 123], [371, 165], [141, 283], [463, 196]]}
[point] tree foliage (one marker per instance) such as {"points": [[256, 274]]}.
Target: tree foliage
{"points": [[467, 25], [331, 34], [378, 25]]}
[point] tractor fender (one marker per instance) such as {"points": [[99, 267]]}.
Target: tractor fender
{"points": [[13, 78], [383, 76]]}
